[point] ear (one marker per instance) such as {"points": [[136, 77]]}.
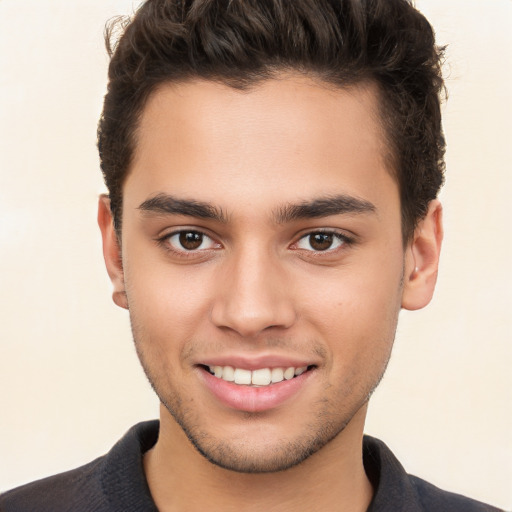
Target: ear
{"points": [[422, 259], [112, 251]]}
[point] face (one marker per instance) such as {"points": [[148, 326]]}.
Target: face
{"points": [[262, 264]]}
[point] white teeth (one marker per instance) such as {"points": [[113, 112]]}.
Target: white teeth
{"points": [[228, 373], [242, 376], [289, 373], [277, 375], [259, 377]]}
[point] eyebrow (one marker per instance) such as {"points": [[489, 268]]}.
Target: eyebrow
{"points": [[321, 207], [324, 207], [167, 204]]}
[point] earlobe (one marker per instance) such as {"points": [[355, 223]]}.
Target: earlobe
{"points": [[422, 259], [111, 251]]}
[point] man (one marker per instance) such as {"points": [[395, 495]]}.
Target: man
{"points": [[273, 169]]}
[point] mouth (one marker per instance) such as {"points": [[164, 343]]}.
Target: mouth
{"points": [[256, 386], [261, 377]]}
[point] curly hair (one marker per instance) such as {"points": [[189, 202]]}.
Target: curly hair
{"points": [[242, 42]]}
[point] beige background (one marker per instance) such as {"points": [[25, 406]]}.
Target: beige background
{"points": [[70, 383]]}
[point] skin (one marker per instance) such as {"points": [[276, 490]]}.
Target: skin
{"points": [[258, 287]]}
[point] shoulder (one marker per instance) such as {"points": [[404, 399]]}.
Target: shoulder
{"points": [[114, 482], [397, 491], [76, 490], [433, 498]]}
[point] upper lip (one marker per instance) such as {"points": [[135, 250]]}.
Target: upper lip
{"points": [[256, 362]]}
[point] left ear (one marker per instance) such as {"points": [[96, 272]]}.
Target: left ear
{"points": [[112, 251], [422, 259]]}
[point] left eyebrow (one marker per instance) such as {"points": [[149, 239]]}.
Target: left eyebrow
{"points": [[165, 204], [323, 207]]}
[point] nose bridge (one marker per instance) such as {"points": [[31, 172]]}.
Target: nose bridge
{"points": [[253, 295]]}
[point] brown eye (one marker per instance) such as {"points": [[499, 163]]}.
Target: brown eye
{"points": [[190, 240], [321, 241]]}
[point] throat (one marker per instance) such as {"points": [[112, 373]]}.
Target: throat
{"points": [[331, 480]]}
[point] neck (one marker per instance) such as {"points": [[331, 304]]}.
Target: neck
{"points": [[332, 479]]}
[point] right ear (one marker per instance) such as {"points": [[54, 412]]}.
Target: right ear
{"points": [[112, 251]]}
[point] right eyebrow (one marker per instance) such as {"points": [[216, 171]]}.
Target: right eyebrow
{"points": [[167, 204], [324, 207]]}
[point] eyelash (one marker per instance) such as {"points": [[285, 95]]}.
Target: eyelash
{"points": [[163, 241], [343, 239]]}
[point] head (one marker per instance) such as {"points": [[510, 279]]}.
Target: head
{"points": [[272, 169], [341, 42]]}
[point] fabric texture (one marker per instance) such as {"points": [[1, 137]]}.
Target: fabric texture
{"points": [[116, 483]]}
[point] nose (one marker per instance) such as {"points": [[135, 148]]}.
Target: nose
{"points": [[253, 295]]}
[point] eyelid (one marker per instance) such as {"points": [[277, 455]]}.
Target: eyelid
{"points": [[170, 231], [343, 237], [205, 239], [163, 240]]}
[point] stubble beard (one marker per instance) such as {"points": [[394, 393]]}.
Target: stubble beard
{"points": [[240, 455]]}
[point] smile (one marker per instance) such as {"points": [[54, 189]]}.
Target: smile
{"points": [[258, 377], [267, 385]]}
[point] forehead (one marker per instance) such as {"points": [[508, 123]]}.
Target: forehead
{"points": [[281, 140]]}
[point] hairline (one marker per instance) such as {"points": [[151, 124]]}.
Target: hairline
{"points": [[390, 158]]}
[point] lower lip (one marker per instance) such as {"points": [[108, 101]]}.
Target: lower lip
{"points": [[253, 399]]}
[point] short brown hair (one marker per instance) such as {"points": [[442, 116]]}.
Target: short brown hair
{"points": [[241, 42]]}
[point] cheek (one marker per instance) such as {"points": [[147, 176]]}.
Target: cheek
{"points": [[358, 329], [353, 292], [356, 307], [167, 304], [161, 288]]}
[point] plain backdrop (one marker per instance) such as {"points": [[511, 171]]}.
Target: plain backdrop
{"points": [[70, 383]]}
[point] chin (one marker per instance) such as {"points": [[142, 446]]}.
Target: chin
{"points": [[260, 447]]}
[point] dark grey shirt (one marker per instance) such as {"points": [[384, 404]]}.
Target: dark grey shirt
{"points": [[116, 483]]}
